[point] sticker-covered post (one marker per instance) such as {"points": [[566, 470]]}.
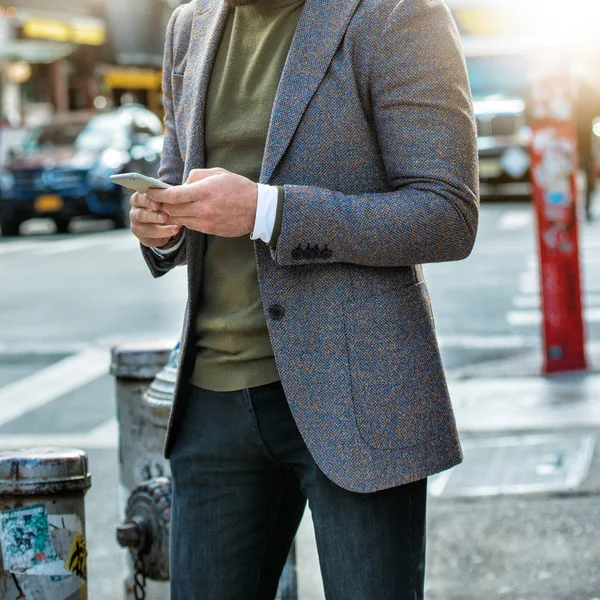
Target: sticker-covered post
{"points": [[43, 551], [554, 165]]}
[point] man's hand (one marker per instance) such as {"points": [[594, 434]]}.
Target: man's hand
{"points": [[152, 227], [213, 201]]}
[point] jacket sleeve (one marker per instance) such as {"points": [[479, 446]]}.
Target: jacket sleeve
{"points": [[171, 164], [423, 117]]}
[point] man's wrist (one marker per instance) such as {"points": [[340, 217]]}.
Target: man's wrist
{"points": [[171, 247], [171, 241]]}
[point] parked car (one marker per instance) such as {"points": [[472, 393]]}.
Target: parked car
{"points": [[61, 170], [499, 86]]}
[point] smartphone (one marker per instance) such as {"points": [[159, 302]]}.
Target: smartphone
{"points": [[138, 182]]}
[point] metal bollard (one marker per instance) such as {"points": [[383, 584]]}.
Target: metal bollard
{"points": [[141, 438], [43, 547], [148, 512]]}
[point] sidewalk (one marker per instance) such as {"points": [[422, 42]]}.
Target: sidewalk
{"points": [[521, 433], [520, 518]]}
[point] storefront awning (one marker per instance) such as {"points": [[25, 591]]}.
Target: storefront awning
{"points": [[34, 51]]}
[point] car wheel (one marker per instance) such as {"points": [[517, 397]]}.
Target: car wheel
{"points": [[10, 227], [62, 225], [121, 219]]}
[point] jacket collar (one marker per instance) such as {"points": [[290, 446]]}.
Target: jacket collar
{"points": [[320, 30]]}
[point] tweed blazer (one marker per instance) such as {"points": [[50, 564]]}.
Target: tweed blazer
{"points": [[372, 135]]}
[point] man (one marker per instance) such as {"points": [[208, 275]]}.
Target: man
{"points": [[587, 108], [328, 149]]}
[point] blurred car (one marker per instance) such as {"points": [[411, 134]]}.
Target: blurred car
{"points": [[61, 170], [499, 87]]}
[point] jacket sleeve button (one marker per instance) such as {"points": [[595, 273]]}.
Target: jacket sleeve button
{"points": [[276, 312], [297, 254], [326, 253], [310, 254]]}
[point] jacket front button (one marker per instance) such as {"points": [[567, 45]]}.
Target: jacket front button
{"points": [[276, 312], [297, 254]]}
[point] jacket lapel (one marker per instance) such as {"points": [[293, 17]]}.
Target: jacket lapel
{"points": [[320, 30], [209, 21]]}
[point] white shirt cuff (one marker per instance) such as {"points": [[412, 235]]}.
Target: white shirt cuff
{"points": [[165, 253], [266, 213]]}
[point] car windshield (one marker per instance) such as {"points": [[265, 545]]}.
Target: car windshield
{"points": [[99, 133], [102, 132], [498, 75], [50, 136]]}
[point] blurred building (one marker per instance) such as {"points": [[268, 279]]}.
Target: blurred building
{"points": [[134, 52], [79, 54]]}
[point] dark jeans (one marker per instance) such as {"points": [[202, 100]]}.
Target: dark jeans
{"points": [[241, 477]]}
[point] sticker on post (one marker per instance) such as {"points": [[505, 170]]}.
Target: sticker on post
{"points": [[76, 562], [25, 538]]}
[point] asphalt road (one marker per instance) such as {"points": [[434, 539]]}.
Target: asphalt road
{"points": [[66, 299]]}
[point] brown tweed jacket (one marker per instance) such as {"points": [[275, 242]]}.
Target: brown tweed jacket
{"points": [[372, 136]]}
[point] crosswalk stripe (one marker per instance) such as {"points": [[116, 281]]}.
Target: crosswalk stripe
{"points": [[513, 220], [66, 246], [111, 241], [25, 395], [520, 318], [488, 342], [534, 301], [529, 283], [105, 436]]}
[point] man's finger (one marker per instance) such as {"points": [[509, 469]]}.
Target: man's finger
{"points": [[179, 194], [154, 242], [148, 230], [149, 216], [139, 200], [188, 209], [200, 174], [174, 195]]}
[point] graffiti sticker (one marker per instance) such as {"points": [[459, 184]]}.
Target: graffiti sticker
{"points": [[77, 560], [25, 538]]}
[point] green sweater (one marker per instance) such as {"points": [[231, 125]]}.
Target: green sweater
{"points": [[233, 347]]}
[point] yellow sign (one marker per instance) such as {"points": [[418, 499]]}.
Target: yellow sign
{"points": [[48, 203], [47, 29], [133, 79], [91, 33]]}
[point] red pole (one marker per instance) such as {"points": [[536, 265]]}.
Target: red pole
{"points": [[554, 170]]}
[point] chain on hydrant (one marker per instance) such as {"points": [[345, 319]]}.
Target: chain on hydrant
{"points": [[139, 585], [146, 532]]}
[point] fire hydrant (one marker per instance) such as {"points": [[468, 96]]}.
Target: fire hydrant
{"points": [[141, 440], [147, 523]]}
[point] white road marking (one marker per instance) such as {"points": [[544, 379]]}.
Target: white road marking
{"points": [[112, 241], [66, 246], [533, 301], [488, 342], [25, 395], [14, 247], [529, 283], [513, 220], [11, 348], [127, 243], [520, 318], [106, 436]]}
